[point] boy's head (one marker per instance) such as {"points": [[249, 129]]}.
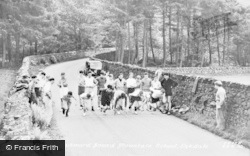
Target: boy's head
{"points": [[43, 74], [63, 75], [121, 76], [217, 84], [138, 77], [52, 80], [146, 74], [70, 94], [88, 96], [166, 76], [110, 88], [33, 77], [89, 74]]}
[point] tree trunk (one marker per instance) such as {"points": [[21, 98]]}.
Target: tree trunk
{"points": [[170, 34], [181, 46], [36, 52], [23, 50], [224, 43], [129, 44], [177, 55], [164, 35], [209, 47], [31, 52], [3, 50], [188, 39], [117, 47], [145, 54], [136, 43], [218, 46], [9, 47], [151, 41], [122, 47], [17, 48]]}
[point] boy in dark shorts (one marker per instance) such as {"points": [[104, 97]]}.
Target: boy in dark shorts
{"points": [[136, 100], [67, 101], [106, 97], [168, 84]]}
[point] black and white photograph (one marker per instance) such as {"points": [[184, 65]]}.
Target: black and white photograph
{"points": [[124, 77]]}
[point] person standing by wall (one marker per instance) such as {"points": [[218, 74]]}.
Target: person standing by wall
{"points": [[31, 90], [47, 88], [168, 84], [39, 84], [63, 88], [220, 98]]}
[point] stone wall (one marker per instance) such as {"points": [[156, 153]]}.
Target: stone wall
{"points": [[18, 114], [201, 112], [190, 70]]}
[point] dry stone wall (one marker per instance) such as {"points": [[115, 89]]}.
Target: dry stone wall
{"points": [[190, 70], [199, 102], [18, 114]]}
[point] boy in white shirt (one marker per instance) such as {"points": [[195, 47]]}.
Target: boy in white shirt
{"points": [[90, 87], [220, 105]]}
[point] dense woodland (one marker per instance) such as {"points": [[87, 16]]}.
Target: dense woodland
{"points": [[145, 32]]}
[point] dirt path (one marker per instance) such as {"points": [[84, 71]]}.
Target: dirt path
{"points": [[145, 134]]}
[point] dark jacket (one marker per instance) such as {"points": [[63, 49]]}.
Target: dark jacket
{"points": [[167, 85]]}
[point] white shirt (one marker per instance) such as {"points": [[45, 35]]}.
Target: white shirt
{"points": [[82, 80], [156, 84], [47, 87], [89, 82], [220, 97], [40, 82], [131, 83]]}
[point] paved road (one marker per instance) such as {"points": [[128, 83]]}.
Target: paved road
{"points": [[146, 134]]}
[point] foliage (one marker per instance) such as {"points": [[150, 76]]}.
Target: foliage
{"points": [[132, 26]]}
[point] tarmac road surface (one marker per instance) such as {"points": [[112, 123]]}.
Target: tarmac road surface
{"points": [[145, 134]]}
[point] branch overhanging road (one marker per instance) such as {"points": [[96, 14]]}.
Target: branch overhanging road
{"points": [[145, 134]]}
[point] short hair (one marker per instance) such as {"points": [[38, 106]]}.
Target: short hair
{"points": [[51, 79], [25, 76], [110, 87], [168, 74], [70, 93], [218, 83], [88, 96], [33, 77], [43, 73]]}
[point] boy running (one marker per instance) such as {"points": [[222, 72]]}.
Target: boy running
{"points": [[67, 101], [106, 96]]}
